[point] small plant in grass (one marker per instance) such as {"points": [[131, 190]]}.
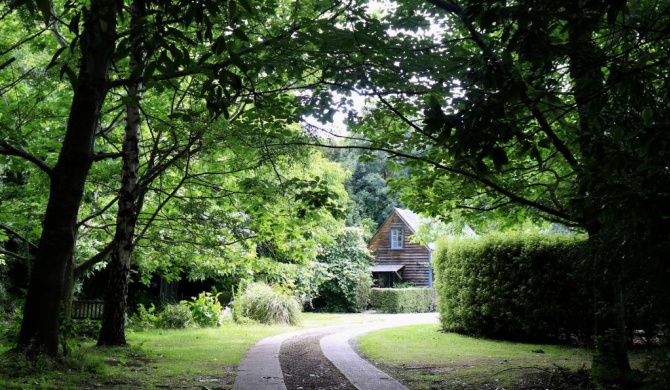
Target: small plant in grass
{"points": [[265, 304], [175, 316], [206, 309], [144, 318]]}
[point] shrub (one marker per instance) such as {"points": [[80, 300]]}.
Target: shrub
{"points": [[144, 318], [402, 300], [348, 261], [174, 316], [206, 309], [262, 303], [514, 287]]}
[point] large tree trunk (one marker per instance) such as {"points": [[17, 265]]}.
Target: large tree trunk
{"points": [[66, 304], [113, 321], [39, 329], [610, 362]]}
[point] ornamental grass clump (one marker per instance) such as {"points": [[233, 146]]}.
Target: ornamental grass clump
{"points": [[265, 304]]}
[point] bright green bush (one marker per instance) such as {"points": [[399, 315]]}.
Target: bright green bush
{"points": [[144, 318], [206, 309], [175, 316], [267, 305], [514, 287], [402, 300]]}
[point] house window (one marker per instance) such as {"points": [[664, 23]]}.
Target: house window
{"points": [[396, 238]]}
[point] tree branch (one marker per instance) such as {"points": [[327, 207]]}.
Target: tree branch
{"points": [[7, 63], [97, 258], [17, 235], [100, 212], [455, 171], [162, 204], [453, 8], [9, 150], [105, 156], [14, 255]]}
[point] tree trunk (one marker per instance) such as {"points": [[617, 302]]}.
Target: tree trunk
{"points": [[610, 361], [113, 321], [39, 329], [66, 304]]}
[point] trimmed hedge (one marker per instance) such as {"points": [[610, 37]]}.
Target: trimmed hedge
{"points": [[520, 287], [402, 300]]}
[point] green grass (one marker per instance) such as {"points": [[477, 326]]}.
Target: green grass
{"points": [[154, 359], [424, 358], [420, 356]]}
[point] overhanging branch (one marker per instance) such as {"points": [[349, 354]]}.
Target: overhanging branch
{"points": [[9, 150]]}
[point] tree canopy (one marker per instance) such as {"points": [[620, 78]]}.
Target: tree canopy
{"points": [[533, 109], [195, 75], [512, 110]]}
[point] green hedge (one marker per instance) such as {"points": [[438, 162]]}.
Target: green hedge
{"points": [[515, 287], [402, 300]]}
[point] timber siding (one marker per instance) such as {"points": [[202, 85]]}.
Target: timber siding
{"points": [[415, 257]]}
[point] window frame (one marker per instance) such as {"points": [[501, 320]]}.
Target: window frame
{"points": [[399, 240]]}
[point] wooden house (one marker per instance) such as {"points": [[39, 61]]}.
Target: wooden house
{"points": [[397, 259]]}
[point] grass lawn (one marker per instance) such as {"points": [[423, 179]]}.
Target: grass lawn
{"points": [[422, 357], [155, 359]]}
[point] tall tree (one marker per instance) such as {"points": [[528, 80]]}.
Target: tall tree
{"points": [[549, 110], [39, 328], [370, 198], [112, 331], [198, 49]]}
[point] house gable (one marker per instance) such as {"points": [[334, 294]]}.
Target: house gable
{"points": [[414, 257]]}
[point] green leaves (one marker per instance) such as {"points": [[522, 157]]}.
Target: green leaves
{"points": [[348, 261], [45, 9], [499, 157]]}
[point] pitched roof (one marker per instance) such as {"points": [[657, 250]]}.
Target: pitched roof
{"points": [[411, 218]]}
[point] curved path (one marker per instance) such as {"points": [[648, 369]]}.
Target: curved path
{"points": [[260, 369]]}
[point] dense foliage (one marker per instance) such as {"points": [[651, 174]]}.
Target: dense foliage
{"points": [[348, 263], [205, 310], [197, 106], [402, 300], [522, 109], [516, 110], [371, 200], [515, 287]]}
